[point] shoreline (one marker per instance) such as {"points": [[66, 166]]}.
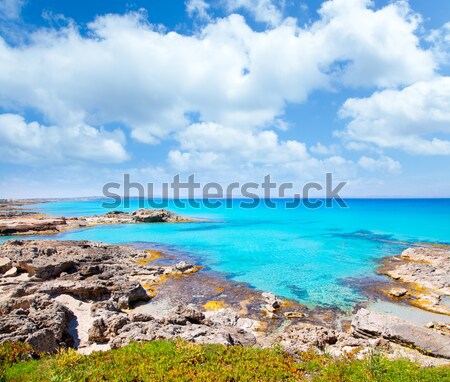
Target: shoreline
{"points": [[96, 296], [263, 317]]}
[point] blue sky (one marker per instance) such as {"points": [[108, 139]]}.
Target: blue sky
{"points": [[228, 90]]}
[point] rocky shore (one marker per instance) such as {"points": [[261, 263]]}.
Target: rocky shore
{"points": [[16, 221], [421, 277], [94, 296]]}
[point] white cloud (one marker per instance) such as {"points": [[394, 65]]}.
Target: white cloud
{"points": [[11, 9], [235, 79], [382, 163], [266, 11], [32, 142], [198, 8], [125, 70], [375, 47], [440, 39], [321, 149], [415, 119], [234, 145], [230, 154]]}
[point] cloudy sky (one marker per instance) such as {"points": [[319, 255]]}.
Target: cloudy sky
{"points": [[228, 90]]}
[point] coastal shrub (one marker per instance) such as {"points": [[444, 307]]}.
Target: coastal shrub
{"points": [[12, 353], [183, 361]]}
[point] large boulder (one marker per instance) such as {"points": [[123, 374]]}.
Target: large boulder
{"points": [[367, 324]]}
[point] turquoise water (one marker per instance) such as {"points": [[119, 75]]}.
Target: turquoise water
{"points": [[307, 255]]}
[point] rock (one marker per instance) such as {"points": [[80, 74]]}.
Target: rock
{"points": [[430, 301], [43, 341], [156, 216], [30, 225], [426, 267], [22, 223], [368, 324], [11, 273], [302, 337], [226, 317], [192, 315], [292, 315], [90, 270], [130, 293], [37, 320], [5, 264], [97, 331], [46, 269], [439, 326], [141, 317], [115, 213], [272, 303], [398, 292], [184, 267]]}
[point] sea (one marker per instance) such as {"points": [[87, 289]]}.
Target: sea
{"points": [[316, 256]]}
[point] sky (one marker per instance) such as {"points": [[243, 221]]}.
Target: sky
{"points": [[227, 90]]}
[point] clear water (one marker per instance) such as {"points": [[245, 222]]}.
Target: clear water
{"points": [[307, 255]]}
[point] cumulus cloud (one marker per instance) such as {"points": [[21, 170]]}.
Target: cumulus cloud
{"points": [[266, 11], [367, 46], [22, 142], [235, 80], [415, 119], [11, 9], [321, 149], [231, 154], [198, 8], [215, 142], [125, 70], [383, 163], [440, 40]]}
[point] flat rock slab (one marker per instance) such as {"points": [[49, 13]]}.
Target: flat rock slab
{"points": [[367, 324]]}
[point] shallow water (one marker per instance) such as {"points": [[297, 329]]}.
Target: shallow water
{"points": [[409, 313], [302, 254]]}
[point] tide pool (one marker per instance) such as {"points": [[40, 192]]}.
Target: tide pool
{"points": [[305, 254]]}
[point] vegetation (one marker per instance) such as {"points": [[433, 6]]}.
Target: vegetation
{"points": [[182, 361]]}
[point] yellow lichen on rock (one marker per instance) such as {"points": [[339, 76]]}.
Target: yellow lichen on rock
{"points": [[195, 269], [214, 305], [153, 255]]}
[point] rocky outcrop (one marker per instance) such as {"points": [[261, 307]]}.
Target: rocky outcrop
{"points": [[187, 324], [428, 267], [109, 279], [85, 270], [423, 275], [368, 324], [157, 216], [38, 321], [28, 224]]}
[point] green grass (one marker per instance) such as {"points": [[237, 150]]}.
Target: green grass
{"points": [[182, 361]]}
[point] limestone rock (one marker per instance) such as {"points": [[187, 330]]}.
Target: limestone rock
{"points": [[156, 216], [398, 292], [293, 315], [11, 273], [302, 337], [368, 324], [5, 264], [43, 341]]}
